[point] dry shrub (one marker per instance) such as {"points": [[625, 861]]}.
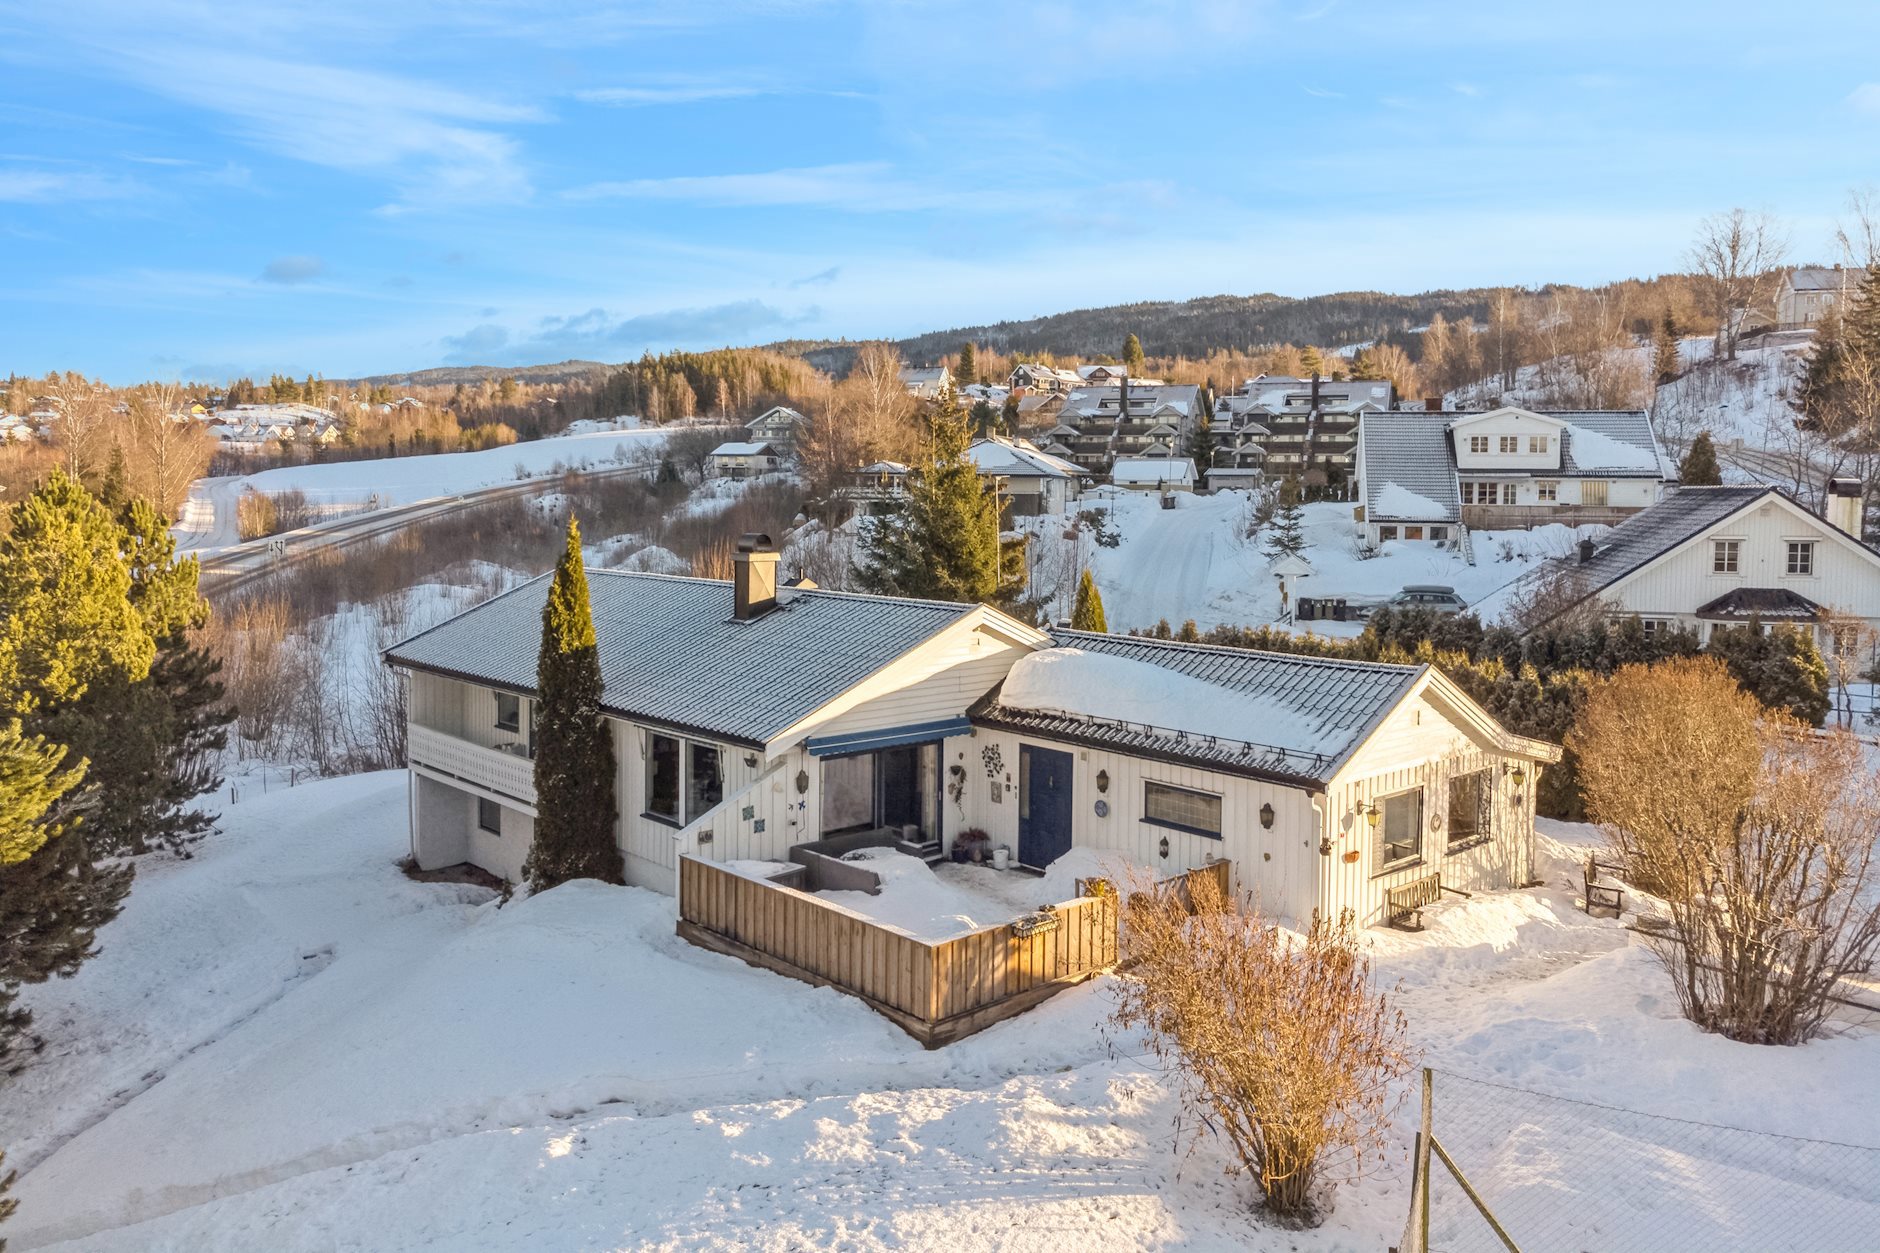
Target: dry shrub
{"points": [[714, 560], [1280, 1043], [1758, 833], [255, 517]]}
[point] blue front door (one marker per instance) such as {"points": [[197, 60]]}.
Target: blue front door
{"points": [[1044, 805]]}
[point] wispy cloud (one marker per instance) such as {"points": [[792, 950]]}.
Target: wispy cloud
{"points": [[1865, 97], [672, 94], [859, 187], [1324, 93], [598, 334], [1465, 89], [24, 185], [822, 278], [294, 269]]}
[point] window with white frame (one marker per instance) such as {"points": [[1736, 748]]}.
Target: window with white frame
{"points": [[508, 711], [1182, 808], [1400, 829], [1537, 443], [1478, 443], [1547, 489], [1801, 557], [1655, 627], [1726, 556], [1471, 808], [1511, 443], [1386, 532]]}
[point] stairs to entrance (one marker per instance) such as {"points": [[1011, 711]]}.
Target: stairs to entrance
{"points": [[929, 852]]}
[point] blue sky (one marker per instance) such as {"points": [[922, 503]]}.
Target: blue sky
{"points": [[343, 187]]}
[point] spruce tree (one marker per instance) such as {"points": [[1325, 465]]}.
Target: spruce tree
{"points": [[1087, 613], [1699, 467], [1665, 363], [966, 371], [1132, 354], [1287, 538], [1199, 443], [941, 540], [576, 808]]}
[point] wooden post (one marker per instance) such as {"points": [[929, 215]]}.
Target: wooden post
{"points": [[1424, 1139], [1481, 1206]]}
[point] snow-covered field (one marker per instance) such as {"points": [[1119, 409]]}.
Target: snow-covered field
{"points": [[1194, 561], [207, 518], [287, 1044]]}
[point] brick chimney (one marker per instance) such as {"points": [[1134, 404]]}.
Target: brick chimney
{"points": [[754, 576], [1433, 404], [1844, 505], [1586, 551]]}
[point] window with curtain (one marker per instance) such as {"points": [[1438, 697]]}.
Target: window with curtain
{"points": [[662, 777]]}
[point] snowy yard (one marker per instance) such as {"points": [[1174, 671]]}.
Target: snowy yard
{"points": [[287, 1044]]}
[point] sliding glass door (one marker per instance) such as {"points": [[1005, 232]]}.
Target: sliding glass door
{"points": [[890, 789]]}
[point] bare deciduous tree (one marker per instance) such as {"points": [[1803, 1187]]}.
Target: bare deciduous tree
{"points": [[167, 455], [1758, 833], [81, 431], [1279, 1042], [1736, 255]]}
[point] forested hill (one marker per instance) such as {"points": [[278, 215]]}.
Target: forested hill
{"points": [[1191, 328], [470, 375]]}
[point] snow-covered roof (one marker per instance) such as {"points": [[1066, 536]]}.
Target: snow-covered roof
{"points": [[1233, 710], [1017, 457], [775, 414], [1407, 456], [1616, 442], [741, 450], [1153, 470]]}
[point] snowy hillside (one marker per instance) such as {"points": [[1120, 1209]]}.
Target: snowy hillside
{"points": [[287, 1044]]}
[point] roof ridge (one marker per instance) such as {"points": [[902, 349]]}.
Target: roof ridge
{"points": [[438, 626], [1388, 667]]}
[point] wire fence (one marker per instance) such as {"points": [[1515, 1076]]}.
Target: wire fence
{"points": [[1507, 1168]]}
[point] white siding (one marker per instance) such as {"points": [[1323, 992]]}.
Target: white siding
{"points": [[1519, 425], [940, 681], [1277, 865], [1422, 745], [1846, 578]]}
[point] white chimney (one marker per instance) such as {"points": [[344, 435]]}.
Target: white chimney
{"points": [[1844, 505]]}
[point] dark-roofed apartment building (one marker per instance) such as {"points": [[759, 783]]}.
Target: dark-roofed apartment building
{"points": [[750, 720], [1424, 475], [1711, 557]]}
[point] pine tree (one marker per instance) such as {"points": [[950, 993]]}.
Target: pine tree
{"points": [[1699, 467], [1132, 355], [1311, 360], [113, 488], [1087, 613], [1665, 363], [966, 370], [31, 782], [1199, 443], [576, 808], [941, 540], [1287, 538]]}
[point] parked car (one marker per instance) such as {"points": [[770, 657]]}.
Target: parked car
{"points": [[1431, 596]]}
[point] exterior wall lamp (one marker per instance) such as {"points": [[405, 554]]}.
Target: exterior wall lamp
{"points": [[1373, 815], [1266, 817], [1103, 780]]}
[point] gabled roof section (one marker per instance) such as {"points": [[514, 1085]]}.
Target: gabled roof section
{"points": [[1670, 524], [1774, 604], [1470, 419], [1003, 456], [1614, 443], [672, 654], [1304, 716], [1406, 468], [741, 450], [1822, 278]]}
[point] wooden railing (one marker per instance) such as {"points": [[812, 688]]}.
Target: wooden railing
{"points": [[936, 992]]}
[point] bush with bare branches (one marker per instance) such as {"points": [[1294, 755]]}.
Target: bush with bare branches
{"points": [[1758, 833], [1280, 1042]]}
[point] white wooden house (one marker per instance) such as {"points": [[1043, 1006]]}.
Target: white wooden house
{"points": [[750, 719], [779, 426], [743, 460], [1809, 293]]}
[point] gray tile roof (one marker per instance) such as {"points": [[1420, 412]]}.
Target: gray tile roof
{"points": [[1411, 450], [671, 653], [1627, 426], [1743, 603], [1337, 705]]}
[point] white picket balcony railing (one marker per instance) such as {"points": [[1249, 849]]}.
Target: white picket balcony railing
{"points": [[509, 774]]}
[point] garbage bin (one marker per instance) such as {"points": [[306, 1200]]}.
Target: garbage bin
{"points": [[1002, 858]]}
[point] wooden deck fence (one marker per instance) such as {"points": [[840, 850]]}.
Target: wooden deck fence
{"points": [[937, 992]]}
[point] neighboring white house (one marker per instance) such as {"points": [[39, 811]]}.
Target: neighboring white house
{"points": [[1711, 557], [1027, 481], [1808, 293], [743, 460], [1154, 474], [927, 383], [1042, 378], [779, 426], [749, 719], [1424, 475]]}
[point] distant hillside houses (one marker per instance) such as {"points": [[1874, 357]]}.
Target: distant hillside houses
{"points": [[1301, 427], [1098, 426], [1809, 293], [779, 426], [927, 383], [260, 428], [1026, 480], [1427, 475]]}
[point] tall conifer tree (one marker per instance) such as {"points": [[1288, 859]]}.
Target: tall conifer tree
{"points": [[1087, 614], [1699, 467], [1132, 354], [576, 805], [967, 370]]}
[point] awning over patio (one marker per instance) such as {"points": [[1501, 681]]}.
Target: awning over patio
{"points": [[1774, 604], [891, 737]]}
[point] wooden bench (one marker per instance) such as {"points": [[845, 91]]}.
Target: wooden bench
{"points": [[1602, 895], [1404, 905]]}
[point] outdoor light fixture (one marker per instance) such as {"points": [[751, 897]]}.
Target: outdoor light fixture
{"points": [[802, 781], [1519, 776], [1103, 780], [1373, 815], [1163, 847], [1266, 817]]}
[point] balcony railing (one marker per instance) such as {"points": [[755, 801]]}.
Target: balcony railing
{"points": [[505, 772]]}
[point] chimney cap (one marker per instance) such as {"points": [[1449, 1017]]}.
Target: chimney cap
{"points": [[1843, 487], [756, 542]]}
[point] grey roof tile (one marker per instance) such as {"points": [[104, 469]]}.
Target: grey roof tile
{"points": [[672, 654], [1411, 450], [1651, 533]]}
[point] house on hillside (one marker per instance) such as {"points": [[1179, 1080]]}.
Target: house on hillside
{"points": [[1026, 480], [779, 426], [1154, 474], [1293, 427], [750, 720], [743, 460], [1423, 475], [1711, 557], [1129, 420], [1808, 293], [1033, 377], [927, 383]]}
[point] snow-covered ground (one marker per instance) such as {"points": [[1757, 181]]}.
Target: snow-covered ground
{"points": [[207, 518], [1194, 561], [287, 1044]]}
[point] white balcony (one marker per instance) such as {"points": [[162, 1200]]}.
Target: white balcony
{"points": [[504, 773]]}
